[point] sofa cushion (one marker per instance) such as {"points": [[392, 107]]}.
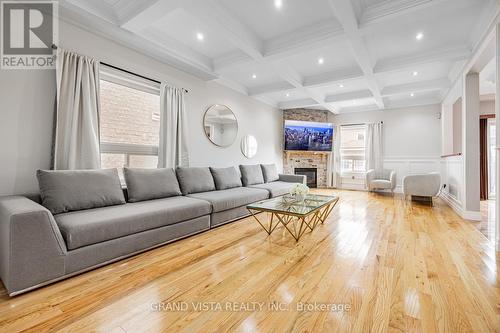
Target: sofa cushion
{"points": [[380, 184], [251, 174], [69, 190], [97, 225], [231, 198], [147, 184], [270, 172], [275, 188], [226, 178], [194, 180]]}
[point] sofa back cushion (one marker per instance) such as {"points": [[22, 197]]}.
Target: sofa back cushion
{"points": [[270, 172], [148, 184], [195, 180], [226, 177], [69, 190], [251, 174]]}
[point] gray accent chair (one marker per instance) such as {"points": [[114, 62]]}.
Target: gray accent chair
{"points": [[384, 179], [83, 220], [424, 185]]}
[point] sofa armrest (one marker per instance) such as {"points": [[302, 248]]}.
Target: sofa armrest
{"points": [[293, 178], [370, 175], [392, 178], [32, 250]]}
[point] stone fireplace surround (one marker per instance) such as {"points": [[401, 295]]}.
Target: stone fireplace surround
{"points": [[301, 159]]}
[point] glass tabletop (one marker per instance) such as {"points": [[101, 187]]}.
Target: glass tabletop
{"points": [[285, 205]]}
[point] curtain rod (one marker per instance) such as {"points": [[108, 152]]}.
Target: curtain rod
{"points": [[360, 124], [127, 71]]}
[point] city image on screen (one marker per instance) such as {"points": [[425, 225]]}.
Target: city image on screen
{"points": [[307, 135]]}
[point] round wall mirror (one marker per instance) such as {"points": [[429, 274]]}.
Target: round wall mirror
{"points": [[249, 146], [220, 125]]}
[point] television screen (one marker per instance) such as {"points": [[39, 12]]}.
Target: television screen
{"points": [[307, 135]]}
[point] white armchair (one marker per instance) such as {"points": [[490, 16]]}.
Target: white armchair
{"points": [[384, 179], [426, 185]]}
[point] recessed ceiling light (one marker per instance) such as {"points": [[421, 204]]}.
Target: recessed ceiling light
{"points": [[278, 4], [415, 73], [287, 95], [321, 61], [419, 36], [341, 85], [254, 76], [412, 94], [200, 36]]}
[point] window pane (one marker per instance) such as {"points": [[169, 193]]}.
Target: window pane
{"points": [[128, 115], [109, 161], [143, 161]]}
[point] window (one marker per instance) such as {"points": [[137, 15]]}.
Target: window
{"points": [[352, 148], [129, 121]]}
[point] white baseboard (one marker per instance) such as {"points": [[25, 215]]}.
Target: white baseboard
{"points": [[457, 207]]}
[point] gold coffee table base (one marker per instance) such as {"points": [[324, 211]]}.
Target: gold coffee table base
{"points": [[295, 224]]}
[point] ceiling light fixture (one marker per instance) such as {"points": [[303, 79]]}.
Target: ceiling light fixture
{"points": [[278, 4], [287, 95], [419, 36], [321, 61], [341, 85], [254, 76], [415, 73], [412, 94], [200, 36]]}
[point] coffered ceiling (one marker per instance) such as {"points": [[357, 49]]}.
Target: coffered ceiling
{"points": [[338, 55]]}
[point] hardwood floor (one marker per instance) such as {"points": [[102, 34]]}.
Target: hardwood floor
{"points": [[398, 267]]}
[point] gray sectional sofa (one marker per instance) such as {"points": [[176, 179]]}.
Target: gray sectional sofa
{"points": [[85, 219]]}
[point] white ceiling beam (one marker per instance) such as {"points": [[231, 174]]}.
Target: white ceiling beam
{"points": [[348, 96], [298, 103], [346, 15], [386, 10], [85, 20], [224, 22], [430, 85], [449, 53], [329, 78], [307, 38], [270, 88], [148, 12]]}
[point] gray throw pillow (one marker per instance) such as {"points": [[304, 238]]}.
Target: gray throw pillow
{"points": [[148, 184], [251, 174], [195, 180], [69, 190], [270, 172], [226, 177]]}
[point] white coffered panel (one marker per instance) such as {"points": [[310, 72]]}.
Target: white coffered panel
{"points": [[271, 49]]}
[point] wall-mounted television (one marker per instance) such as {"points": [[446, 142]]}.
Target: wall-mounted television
{"points": [[308, 135]]}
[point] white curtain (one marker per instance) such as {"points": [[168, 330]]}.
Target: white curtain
{"points": [[173, 149], [374, 146], [76, 141], [333, 167]]}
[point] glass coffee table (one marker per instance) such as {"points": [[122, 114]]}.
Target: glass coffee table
{"points": [[296, 217]]}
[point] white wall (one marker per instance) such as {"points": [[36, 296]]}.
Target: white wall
{"points": [[412, 137], [487, 107], [27, 109]]}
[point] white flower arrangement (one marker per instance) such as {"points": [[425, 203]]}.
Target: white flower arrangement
{"points": [[299, 190]]}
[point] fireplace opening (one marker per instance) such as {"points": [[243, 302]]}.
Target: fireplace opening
{"points": [[311, 175]]}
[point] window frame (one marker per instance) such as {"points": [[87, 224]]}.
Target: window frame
{"points": [[341, 149], [131, 81]]}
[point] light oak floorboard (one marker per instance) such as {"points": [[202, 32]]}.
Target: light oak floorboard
{"points": [[398, 266]]}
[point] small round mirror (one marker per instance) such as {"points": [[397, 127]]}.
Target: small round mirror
{"points": [[220, 125], [249, 146]]}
